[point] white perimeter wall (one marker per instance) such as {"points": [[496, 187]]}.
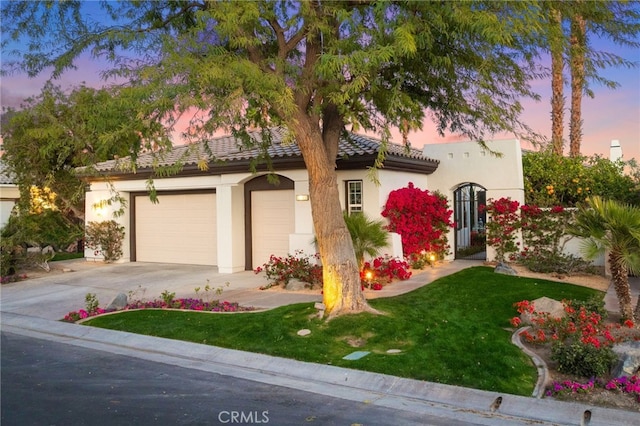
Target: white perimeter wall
{"points": [[468, 162]]}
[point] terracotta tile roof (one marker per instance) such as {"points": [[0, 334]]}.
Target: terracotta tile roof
{"points": [[229, 149]]}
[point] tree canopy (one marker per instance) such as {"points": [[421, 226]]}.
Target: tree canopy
{"points": [[550, 180], [316, 68], [56, 132]]}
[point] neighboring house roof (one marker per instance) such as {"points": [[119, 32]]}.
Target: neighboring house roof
{"points": [[229, 156], [6, 176]]}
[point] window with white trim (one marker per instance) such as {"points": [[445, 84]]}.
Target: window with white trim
{"points": [[354, 196]]}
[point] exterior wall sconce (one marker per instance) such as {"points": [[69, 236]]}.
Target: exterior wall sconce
{"points": [[100, 211], [302, 197]]}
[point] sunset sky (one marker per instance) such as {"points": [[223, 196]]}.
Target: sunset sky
{"points": [[612, 114]]}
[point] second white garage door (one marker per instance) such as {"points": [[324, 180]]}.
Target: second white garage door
{"points": [[181, 228], [272, 220]]}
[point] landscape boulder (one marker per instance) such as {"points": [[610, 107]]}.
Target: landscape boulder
{"points": [[628, 359], [545, 305], [503, 268], [295, 285], [118, 302]]}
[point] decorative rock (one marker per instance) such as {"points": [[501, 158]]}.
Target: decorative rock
{"points": [[394, 351], [548, 305], [304, 332], [551, 306], [48, 250], [628, 359], [504, 269], [295, 285], [320, 306], [119, 302]]}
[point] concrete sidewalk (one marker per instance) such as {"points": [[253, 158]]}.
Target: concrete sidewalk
{"points": [[33, 308]]}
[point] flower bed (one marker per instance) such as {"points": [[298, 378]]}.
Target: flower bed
{"points": [[374, 275], [577, 349], [187, 304], [383, 270], [624, 385]]}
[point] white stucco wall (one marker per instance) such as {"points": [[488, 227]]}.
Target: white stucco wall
{"points": [[97, 211], [230, 208], [9, 195], [468, 162]]}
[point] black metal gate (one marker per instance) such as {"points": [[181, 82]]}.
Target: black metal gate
{"points": [[470, 240]]}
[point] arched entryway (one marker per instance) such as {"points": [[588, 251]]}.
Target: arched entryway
{"points": [[470, 241]]}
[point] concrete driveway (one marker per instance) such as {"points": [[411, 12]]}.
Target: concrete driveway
{"points": [[53, 295]]}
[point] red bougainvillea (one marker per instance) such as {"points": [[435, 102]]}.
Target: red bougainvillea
{"points": [[421, 218], [502, 226]]}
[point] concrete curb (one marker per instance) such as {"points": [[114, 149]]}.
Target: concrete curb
{"points": [[480, 407], [543, 370]]}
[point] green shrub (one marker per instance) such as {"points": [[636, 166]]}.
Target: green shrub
{"points": [[368, 236], [91, 303], [547, 261], [583, 360], [49, 227], [7, 259], [106, 239], [594, 304]]}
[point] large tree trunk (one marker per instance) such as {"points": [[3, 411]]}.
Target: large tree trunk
{"points": [[578, 29], [620, 279], [342, 291], [556, 37]]}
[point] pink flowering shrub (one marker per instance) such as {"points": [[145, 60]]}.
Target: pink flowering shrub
{"points": [[580, 325], [383, 270], [280, 270], [624, 384], [12, 278], [421, 218], [184, 304], [502, 226], [580, 341], [544, 228]]}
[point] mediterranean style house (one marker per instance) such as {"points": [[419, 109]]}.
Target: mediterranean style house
{"points": [[215, 211]]}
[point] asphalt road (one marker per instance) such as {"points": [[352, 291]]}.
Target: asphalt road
{"points": [[52, 383]]}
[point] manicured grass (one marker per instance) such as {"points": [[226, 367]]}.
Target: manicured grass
{"points": [[456, 330], [66, 256]]}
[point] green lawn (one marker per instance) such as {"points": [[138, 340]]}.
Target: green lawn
{"points": [[456, 330], [66, 256]]}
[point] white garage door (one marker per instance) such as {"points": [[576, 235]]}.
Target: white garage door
{"points": [[181, 228], [272, 220]]}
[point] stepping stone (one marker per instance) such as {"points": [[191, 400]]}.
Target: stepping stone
{"points": [[394, 351], [356, 355], [304, 332]]}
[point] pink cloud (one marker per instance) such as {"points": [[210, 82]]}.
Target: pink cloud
{"points": [[613, 114]]}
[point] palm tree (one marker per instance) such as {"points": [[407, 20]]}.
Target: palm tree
{"points": [[615, 227], [556, 40], [570, 27], [368, 236]]}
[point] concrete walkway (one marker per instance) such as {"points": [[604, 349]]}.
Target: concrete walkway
{"points": [[33, 308]]}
